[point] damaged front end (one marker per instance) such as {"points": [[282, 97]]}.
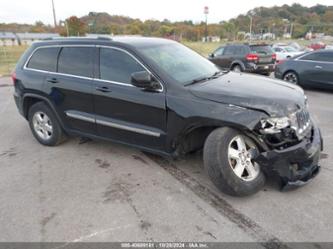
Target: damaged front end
{"points": [[293, 145]]}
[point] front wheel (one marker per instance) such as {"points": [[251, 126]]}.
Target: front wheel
{"points": [[229, 164], [291, 77]]}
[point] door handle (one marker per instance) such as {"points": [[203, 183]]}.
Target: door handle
{"points": [[103, 89], [52, 80], [318, 67]]}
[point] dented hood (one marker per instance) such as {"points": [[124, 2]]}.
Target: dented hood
{"points": [[275, 97]]}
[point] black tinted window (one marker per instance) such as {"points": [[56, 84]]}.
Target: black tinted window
{"points": [[229, 50], [76, 61], [116, 65], [44, 59], [241, 50], [319, 56]]}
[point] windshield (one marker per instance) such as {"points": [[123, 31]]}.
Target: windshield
{"points": [[179, 62], [290, 49]]}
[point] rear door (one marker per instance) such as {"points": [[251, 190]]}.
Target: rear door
{"points": [[70, 87], [124, 112]]}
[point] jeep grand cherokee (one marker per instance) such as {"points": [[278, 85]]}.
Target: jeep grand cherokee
{"points": [[162, 97]]}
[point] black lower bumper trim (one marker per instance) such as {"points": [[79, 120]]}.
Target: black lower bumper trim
{"points": [[290, 185]]}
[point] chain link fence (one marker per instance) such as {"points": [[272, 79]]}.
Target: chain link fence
{"points": [[9, 55]]}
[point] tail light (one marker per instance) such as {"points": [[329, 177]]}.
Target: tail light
{"points": [[252, 57], [13, 76], [273, 56]]}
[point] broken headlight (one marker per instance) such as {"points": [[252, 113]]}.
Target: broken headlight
{"points": [[274, 125]]}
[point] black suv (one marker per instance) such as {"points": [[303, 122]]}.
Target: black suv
{"points": [[248, 58], [162, 97]]}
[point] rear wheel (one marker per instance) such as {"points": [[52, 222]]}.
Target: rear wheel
{"points": [[291, 77], [228, 161], [44, 125]]}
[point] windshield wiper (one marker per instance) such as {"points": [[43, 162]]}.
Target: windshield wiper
{"points": [[202, 79], [216, 75]]}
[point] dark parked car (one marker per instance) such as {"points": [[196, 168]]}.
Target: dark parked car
{"points": [[245, 58], [314, 69], [162, 97]]}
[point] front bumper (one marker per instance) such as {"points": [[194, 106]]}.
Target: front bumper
{"points": [[296, 165]]}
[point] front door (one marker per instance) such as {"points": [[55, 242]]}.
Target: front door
{"points": [[123, 112]]}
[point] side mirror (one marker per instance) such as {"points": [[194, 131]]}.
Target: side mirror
{"points": [[212, 55], [143, 80]]}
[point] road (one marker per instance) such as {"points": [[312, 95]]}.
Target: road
{"points": [[101, 191]]}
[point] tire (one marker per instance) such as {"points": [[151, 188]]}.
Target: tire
{"points": [[291, 77], [220, 167], [44, 125], [237, 68]]}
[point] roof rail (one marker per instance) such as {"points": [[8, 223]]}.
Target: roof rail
{"points": [[78, 37]]}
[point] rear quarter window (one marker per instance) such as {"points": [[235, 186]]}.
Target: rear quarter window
{"points": [[44, 59]]}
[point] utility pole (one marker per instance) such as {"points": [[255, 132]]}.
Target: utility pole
{"points": [[291, 30], [251, 22], [54, 14], [206, 11]]}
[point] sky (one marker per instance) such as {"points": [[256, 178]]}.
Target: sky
{"points": [[30, 11]]}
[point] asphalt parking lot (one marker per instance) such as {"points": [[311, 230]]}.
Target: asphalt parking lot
{"points": [[100, 191]]}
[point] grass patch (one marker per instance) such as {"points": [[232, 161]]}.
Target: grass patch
{"points": [[203, 48], [9, 56]]}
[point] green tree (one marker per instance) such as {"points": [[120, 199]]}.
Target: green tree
{"points": [[76, 27]]}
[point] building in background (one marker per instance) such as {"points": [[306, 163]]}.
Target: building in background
{"points": [[15, 39], [211, 39]]}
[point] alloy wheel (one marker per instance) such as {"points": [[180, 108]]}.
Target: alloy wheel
{"points": [[240, 159], [291, 77], [42, 125]]}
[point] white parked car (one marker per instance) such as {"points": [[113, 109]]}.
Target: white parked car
{"points": [[329, 46], [285, 52]]}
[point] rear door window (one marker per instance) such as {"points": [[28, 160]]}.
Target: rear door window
{"points": [[319, 56], [76, 61], [230, 50], [44, 59]]}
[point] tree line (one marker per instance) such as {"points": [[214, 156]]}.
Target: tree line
{"points": [[294, 19]]}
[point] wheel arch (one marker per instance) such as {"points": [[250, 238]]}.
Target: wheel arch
{"points": [[193, 138], [237, 63], [29, 99]]}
